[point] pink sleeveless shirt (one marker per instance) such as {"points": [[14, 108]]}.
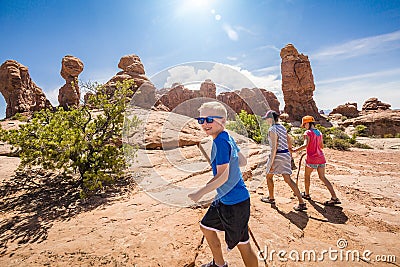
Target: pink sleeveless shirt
{"points": [[315, 155]]}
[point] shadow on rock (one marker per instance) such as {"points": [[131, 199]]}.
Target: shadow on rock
{"points": [[333, 214], [31, 203], [300, 219]]}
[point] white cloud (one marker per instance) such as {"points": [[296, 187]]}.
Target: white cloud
{"points": [[224, 75], [269, 47], [52, 95], [385, 85], [243, 29], [232, 34], [359, 47], [232, 58]]}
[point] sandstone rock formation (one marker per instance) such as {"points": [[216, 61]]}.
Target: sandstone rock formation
{"points": [[132, 68], [253, 101], [373, 104], [382, 123], [297, 84], [21, 94], [349, 110], [185, 101], [69, 94]]}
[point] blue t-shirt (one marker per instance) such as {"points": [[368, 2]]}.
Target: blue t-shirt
{"points": [[225, 150]]}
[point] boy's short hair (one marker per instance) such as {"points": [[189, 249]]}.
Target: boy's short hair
{"points": [[218, 108]]}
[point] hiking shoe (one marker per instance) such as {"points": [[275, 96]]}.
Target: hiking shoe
{"points": [[300, 207], [305, 196], [212, 264], [268, 200], [332, 202]]}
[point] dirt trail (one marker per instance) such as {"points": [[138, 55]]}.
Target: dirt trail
{"points": [[135, 228]]}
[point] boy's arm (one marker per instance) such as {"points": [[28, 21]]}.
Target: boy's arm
{"points": [[219, 179]]}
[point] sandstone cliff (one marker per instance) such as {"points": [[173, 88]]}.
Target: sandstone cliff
{"points": [[21, 94]]}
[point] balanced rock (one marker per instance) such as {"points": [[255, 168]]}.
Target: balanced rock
{"points": [[21, 94], [297, 84], [373, 104], [349, 110], [69, 94], [132, 68]]}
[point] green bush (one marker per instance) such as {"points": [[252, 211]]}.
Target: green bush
{"points": [[361, 130], [20, 117], [288, 126], [338, 144], [299, 131], [76, 141], [250, 125], [361, 145]]}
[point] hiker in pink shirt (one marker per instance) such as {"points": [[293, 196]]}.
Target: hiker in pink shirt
{"points": [[313, 142]]}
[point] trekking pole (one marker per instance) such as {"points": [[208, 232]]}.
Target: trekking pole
{"points": [[250, 232], [298, 171]]}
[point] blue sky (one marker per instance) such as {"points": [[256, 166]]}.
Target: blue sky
{"points": [[353, 46]]}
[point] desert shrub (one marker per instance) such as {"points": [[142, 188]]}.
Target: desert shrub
{"points": [[398, 135], [20, 117], [288, 126], [338, 144], [249, 125], [343, 118], [361, 130], [300, 131], [388, 136], [76, 141], [361, 145]]}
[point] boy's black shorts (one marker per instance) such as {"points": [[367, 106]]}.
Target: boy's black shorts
{"points": [[232, 219]]}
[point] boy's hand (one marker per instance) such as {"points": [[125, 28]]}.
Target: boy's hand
{"points": [[195, 196]]}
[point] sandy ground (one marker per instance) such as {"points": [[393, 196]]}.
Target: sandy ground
{"points": [[138, 226]]}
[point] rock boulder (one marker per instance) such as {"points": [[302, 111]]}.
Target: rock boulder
{"points": [[349, 110], [21, 94], [373, 104]]}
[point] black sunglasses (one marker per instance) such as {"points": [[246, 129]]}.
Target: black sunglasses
{"points": [[208, 119]]}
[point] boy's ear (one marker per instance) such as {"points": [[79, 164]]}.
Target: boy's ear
{"points": [[224, 120]]}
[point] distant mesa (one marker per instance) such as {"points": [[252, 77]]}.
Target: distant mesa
{"points": [[298, 86], [21, 94], [69, 94]]}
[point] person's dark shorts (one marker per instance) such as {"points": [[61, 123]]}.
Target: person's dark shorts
{"points": [[232, 219]]}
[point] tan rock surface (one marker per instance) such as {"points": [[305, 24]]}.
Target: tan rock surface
{"points": [[373, 104], [151, 224], [21, 94], [378, 123], [349, 110]]}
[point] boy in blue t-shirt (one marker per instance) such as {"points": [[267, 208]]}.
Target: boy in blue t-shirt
{"points": [[230, 210]]}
